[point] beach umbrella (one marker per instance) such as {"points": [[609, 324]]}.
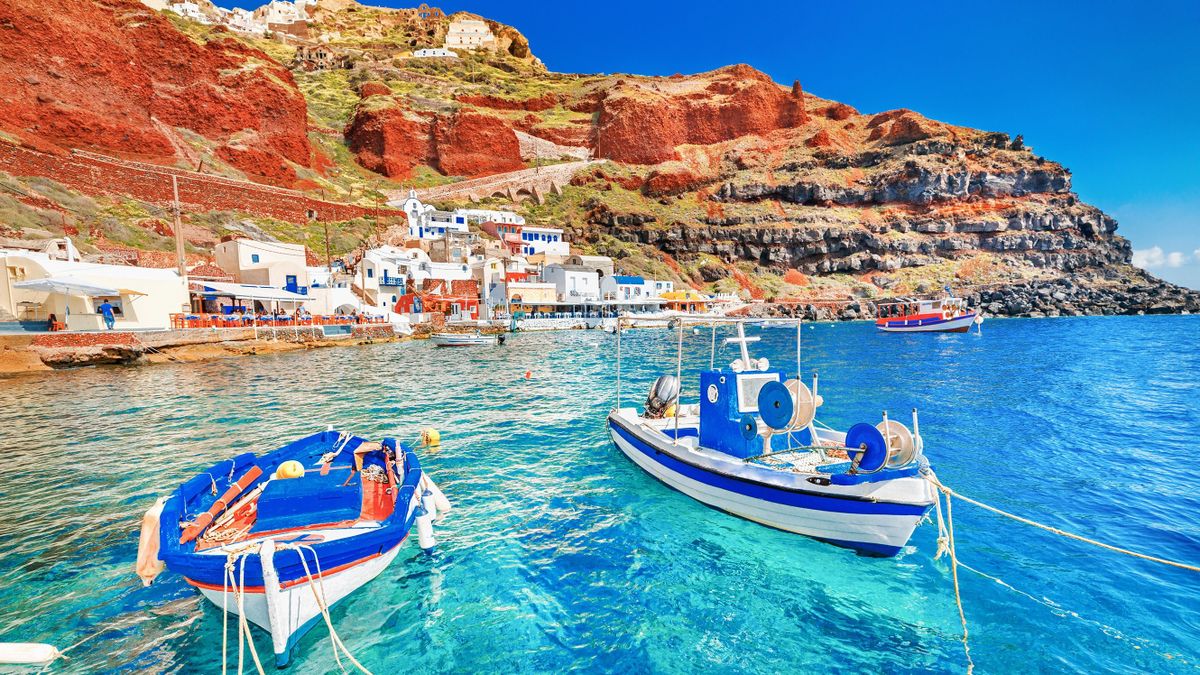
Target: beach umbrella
{"points": [[66, 286]]}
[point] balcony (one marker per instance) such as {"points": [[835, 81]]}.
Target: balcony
{"points": [[388, 280]]}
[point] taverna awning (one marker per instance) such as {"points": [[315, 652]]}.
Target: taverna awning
{"points": [[249, 291], [67, 286]]}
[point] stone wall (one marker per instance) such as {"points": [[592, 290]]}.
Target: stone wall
{"points": [[94, 174]]}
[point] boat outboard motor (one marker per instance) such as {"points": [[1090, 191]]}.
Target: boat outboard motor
{"points": [[662, 394]]}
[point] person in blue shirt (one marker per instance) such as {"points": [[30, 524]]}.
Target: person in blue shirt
{"points": [[106, 310]]}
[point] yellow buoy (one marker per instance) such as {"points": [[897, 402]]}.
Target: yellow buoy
{"points": [[289, 469], [431, 437]]}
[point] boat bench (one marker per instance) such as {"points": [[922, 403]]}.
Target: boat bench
{"points": [[312, 499]]}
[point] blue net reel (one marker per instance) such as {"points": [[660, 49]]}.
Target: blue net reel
{"points": [[775, 405], [866, 441], [749, 427]]}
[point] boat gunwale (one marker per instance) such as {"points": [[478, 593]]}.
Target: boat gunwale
{"points": [[615, 418]]}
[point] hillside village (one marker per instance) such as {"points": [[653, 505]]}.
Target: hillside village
{"points": [[405, 166]]}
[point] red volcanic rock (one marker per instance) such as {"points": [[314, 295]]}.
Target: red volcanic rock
{"points": [[642, 123], [259, 165], [392, 140], [369, 89], [672, 181], [903, 129], [472, 144], [820, 139], [886, 116], [840, 112], [100, 73], [633, 183], [536, 104]]}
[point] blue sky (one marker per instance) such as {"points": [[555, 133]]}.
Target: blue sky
{"points": [[1110, 90]]}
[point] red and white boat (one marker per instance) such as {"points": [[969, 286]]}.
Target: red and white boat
{"points": [[947, 315]]}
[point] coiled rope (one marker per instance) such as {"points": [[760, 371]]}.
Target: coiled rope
{"points": [[946, 545]]}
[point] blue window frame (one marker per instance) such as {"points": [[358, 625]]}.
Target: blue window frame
{"points": [[370, 273], [253, 257]]}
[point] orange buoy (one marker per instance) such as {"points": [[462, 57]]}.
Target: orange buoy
{"points": [[529, 374]]}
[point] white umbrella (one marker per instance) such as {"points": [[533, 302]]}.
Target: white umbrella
{"points": [[66, 286]]}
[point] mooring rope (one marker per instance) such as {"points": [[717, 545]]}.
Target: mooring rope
{"points": [[320, 598], [946, 544]]}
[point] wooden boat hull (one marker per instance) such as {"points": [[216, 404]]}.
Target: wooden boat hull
{"points": [[321, 530]]}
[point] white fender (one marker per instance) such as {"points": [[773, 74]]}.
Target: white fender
{"points": [[429, 504], [425, 530], [28, 652], [439, 499], [148, 566], [276, 603]]}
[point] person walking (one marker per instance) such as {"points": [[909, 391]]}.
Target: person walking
{"points": [[106, 311]]}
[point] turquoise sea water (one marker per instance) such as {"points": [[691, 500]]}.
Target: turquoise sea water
{"points": [[561, 554]]}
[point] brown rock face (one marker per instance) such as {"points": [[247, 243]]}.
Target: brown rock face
{"points": [[100, 73], [641, 122], [471, 144], [392, 140]]}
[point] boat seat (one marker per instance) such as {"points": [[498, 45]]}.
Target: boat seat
{"points": [[312, 499]]}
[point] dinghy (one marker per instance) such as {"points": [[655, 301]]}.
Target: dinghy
{"points": [[464, 339], [752, 447], [280, 538]]}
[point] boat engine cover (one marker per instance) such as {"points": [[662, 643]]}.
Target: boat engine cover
{"points": [[662, 394]]}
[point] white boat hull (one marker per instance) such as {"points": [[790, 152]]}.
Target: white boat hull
{"points": [[958, 324], [869, 530], [463, 340], [295, 609]]}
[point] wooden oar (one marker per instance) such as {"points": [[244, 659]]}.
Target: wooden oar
{"points": [[197, 527]]}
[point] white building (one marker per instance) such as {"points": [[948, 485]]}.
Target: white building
{"points": [[189, 10], [573, 283], [244, 21], [426, 222], [281, 11], [623, 288], [545, 240], [142, 297], [469, 34], [434, 53], [264, 263], [656, 287]]}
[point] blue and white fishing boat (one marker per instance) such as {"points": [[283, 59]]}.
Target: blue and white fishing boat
{"points": [[752, 447], [280, 538]]}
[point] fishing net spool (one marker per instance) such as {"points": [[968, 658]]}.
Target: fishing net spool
{"points": [[902, 446]]}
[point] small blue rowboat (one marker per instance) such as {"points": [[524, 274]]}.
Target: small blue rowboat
{"points": [[280, 538], [752, 447]]}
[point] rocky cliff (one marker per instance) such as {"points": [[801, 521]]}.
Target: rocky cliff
{"points": [[724, 180], [117, 76]]}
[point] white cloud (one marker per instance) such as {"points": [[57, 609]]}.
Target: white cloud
{"points": [[1149, 258], [1153, 257]]}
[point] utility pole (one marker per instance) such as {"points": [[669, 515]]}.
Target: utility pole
{"points": [[328, 258], [180, 258]]}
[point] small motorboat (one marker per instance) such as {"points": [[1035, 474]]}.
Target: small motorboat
{"points": [[947, 315], [465, 339], [280, 538], [752, 447]]}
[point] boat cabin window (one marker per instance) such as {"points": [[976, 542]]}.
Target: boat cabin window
{"points": [[748, 387]]}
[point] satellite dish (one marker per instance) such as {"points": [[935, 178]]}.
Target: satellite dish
{"points": [[866, 441], [804, 408], [775, 405], [749, 427], [902, 449]]}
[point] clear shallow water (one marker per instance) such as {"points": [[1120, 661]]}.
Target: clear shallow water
{"points": [[560, 553]]}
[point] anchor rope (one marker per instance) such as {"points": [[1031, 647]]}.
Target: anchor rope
{"points": [[946, 544], [335, 639]]}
